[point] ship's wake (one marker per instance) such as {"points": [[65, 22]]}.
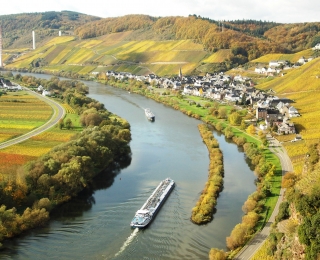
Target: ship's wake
{"points": [[128, 241]]}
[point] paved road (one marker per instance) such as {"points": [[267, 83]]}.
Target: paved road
{"points": [[250, 249], [59, 113]]}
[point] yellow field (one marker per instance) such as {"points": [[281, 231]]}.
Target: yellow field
{"points": [[21, 112], [112, 50], [80, 56], [68, 108], [89, 44], [60, 39], [280, 56], [218, 56], [303, 86]]}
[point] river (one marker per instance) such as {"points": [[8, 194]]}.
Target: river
{"points": [[96, 225]]}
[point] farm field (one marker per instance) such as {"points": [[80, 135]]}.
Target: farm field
{"points": [[218, 56], [294, 57], [25, 112], [21, 113], [85, 56]]}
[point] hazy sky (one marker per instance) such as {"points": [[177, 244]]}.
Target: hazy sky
{"points": [[283, 11]]}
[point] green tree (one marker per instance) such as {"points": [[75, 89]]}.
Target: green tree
{"points": [[222, 112], [251, 129], [243, 125], [61, 123], [68, 123], [309, 232], [234, 118]]}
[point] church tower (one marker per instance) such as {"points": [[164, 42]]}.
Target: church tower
{"points": [[180, 74]]}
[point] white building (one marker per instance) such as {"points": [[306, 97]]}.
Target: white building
{"points": [[316, 47]]}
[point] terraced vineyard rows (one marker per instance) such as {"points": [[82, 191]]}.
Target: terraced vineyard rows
{"points": [[27, 112], [20, 113]]}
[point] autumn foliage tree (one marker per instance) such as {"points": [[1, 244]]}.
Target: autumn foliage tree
{"points": [[217, 254]]}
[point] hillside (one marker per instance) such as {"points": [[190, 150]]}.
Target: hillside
{"points": [[112, 52], [143, 44], [295, 235], [17, 28]]}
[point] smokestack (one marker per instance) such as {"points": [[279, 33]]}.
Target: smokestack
{"points": [[34, 40], [59, 33]]}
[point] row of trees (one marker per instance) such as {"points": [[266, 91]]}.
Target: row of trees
{"points": [[67, 169], [203, 211], [254, 205]]}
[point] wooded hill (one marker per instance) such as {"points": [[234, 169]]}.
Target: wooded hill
{"points": [[17, 28], [256, 37], [142, 44]]}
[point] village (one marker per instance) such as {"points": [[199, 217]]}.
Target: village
{"points": [[269, 110]]}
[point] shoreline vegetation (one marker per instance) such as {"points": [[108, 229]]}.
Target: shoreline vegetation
{"points": [[232, 123], [41, 185], [203, 211], [227, 120]]}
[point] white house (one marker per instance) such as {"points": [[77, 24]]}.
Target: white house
{"points": [[40, 88], [316, 47], [273, 63], [302, 60], [293, 112], [260, 70], [46, 93]]}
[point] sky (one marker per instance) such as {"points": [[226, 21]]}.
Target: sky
{"points": [[281, 11]]}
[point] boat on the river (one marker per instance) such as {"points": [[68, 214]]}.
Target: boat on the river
{"points": [[150, 208], [149, 114]]}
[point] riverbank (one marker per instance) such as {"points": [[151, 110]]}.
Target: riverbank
{"points": [[203, 211], [216, 115], [29, 194]]}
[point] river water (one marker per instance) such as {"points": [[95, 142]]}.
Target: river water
{"points": [[96, 225]]}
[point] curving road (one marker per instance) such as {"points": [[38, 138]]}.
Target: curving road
{"points": [[59, 113], [257, 241]]}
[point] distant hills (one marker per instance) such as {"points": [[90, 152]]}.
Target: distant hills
{"points": [[17, 28], [144, 44]]}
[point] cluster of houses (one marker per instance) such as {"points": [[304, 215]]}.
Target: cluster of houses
{"points": [[277, 66], [277, 112], [224, 88], [43, 91], [7, 85]]}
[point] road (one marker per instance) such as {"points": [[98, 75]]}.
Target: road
{"points": [[59, 113], [257, 241]]}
